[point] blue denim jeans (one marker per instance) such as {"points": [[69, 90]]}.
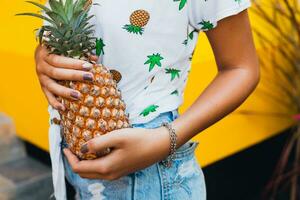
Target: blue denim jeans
{"points": [[183, 181]]}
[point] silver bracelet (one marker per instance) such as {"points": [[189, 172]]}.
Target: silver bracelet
{"points": [[173, 143]]}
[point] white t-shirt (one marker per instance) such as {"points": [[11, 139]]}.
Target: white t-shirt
{"points": [[151, 48], [155, 62]]}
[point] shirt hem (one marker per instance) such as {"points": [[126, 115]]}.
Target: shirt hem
{"points": [[138, 120]]}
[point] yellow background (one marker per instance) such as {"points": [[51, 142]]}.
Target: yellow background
{"points": [[21, 96]]}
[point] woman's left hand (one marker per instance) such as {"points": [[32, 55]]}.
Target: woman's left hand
{"points": [[132, 149]]}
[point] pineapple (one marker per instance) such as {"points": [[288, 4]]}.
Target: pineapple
{"points": [[116, 75], [101, 108], [138, 19]]}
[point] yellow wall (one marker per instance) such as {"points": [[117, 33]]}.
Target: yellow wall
{"points": [[21, 97]]}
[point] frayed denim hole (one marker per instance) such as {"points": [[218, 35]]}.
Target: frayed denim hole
{"points": [[185, 171], [96, 190]]}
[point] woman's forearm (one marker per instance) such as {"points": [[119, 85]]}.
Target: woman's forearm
{"points": [[238, 75], [224, 94]]}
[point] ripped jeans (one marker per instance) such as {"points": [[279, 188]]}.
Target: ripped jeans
{"points": [[183, 181]]}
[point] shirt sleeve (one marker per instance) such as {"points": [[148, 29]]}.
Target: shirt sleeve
{"points": [[205, 14]]}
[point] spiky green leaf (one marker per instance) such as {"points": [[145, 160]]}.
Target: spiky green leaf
{"points": [[68, 9], [69, 32], [37, 15], [39, 5], [56, 6]]}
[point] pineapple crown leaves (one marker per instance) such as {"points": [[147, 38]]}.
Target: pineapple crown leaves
{"points": [[149, 109], [68, 31], [133, 29], [153, 60], [173, 72]]}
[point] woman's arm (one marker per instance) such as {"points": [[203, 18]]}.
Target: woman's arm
{"points": [[137, 148], [238, 75]]}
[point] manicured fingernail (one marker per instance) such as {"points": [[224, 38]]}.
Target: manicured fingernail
{"points": [[74, 95], [84, 148], [87, 77], [87, 66]]}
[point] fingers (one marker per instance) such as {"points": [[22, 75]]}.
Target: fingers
{"points": [[50, 67], [91, 176], [101, 168], [94, 58], [99, 176], [67, 74], [72, 159], [59, 90], [99, 144], [52, 100], [84, 166], [66, 62]]}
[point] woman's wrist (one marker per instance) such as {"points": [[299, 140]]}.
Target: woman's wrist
{"points": [[168, 143], [162, 140], [173, 144]]}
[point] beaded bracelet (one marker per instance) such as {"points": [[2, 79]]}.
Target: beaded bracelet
{"points": [[173, 138]]}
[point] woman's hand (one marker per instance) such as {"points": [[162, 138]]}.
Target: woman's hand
{"points": [[50, 67], [132, 149]]}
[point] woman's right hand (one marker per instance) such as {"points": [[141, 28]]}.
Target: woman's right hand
{"points": [[50, 67]]}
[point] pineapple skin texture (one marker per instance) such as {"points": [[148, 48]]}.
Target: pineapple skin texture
{"points": [[139, 18], [99, 111]]}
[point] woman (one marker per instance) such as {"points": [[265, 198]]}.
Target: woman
{"points": [[154, 64]]}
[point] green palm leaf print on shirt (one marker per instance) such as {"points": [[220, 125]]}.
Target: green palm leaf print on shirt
{"points": [[173, 72], [149, 109], [99, 47], [182, 3], [175, 92], [153, 60], [189, 37], [206, 25]]}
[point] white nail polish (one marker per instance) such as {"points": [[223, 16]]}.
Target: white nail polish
{"points": [[87, 66]]}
